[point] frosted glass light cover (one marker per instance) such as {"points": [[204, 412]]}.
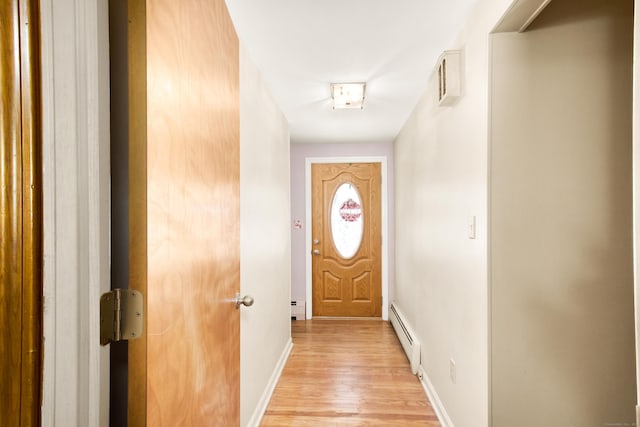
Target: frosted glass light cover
{"points": [[347, 222], [348, 95]]}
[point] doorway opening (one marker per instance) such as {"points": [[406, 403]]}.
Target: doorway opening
{"points": [[346, 240], [309, 246], [561, 241]]}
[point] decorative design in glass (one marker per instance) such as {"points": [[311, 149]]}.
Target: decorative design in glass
{"points": [[347, 222]]}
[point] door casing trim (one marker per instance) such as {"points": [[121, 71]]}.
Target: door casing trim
{"points": [[384, 218], [76, 199]]}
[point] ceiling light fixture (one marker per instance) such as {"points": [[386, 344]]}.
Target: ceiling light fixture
{"points": [[348, 95]]}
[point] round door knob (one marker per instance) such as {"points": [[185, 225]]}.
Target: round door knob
{"points": [[316, 251], [246, 300]]}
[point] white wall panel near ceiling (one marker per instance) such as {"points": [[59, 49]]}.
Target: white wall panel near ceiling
{"points": [[303, 46]]}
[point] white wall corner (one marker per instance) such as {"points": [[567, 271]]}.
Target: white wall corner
{"points": [[434, 399], [258, 413]]}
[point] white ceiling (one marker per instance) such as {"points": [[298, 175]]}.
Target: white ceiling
{"points": [[301, 46]]}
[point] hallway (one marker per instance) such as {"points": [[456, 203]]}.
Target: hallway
{"points": [[347, 373], [513, 205]]}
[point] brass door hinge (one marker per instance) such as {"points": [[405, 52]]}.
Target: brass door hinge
{"points": [[120, 315]]}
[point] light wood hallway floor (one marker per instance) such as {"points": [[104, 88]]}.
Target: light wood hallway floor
{"points": [[347, 373]]}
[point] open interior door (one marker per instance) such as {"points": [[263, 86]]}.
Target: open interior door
{"points": [[182, 210]]}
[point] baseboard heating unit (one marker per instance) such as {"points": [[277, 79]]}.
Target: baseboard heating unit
{"points": [[406, 336]]}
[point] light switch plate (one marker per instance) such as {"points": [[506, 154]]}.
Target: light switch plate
{"points": [[471, 232]]}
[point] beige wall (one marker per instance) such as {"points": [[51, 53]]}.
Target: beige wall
{"points": [[441, 274], [265, 254], [562, 328]]}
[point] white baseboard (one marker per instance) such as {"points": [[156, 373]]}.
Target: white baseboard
{"points": [[258, 413], [436, 403]]}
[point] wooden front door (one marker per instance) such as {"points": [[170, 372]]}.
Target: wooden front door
{"points": [[346, 239], [184, 221], [20, 215]]}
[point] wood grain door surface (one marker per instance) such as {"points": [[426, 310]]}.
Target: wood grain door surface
{"points": [[346, 286], [184, 213], [20, 215]]}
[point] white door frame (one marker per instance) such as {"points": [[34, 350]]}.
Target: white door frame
{"points": [[385, 225], [76, 200]]}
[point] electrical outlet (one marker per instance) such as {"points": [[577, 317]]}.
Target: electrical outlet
{"points": [[452, 370]]}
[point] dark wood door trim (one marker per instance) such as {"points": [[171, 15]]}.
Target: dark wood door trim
{"points": [[21, 215]]}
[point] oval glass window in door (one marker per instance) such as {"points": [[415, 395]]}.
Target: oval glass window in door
{"points": [[347, 223]]}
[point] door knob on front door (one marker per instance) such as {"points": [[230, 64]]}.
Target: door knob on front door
{"points": [[316, 251], [246, 300]]}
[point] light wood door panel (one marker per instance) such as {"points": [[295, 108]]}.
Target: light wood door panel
{"points": [[342, 285], [20, 215], [184, 205]]}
